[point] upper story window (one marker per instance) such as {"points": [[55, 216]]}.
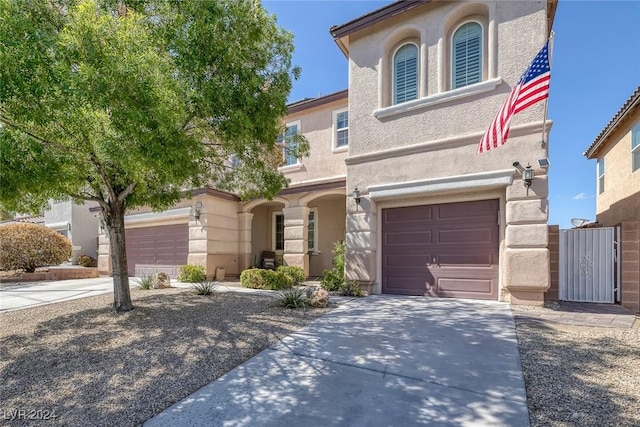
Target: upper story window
{"points": [[289, 145], [341, 129], [405, 73], [635, 148], [600, 167], [467, 55]]}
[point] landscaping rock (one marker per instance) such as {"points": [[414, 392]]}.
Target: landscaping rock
{"points": [[160, 281], [318, 297]]}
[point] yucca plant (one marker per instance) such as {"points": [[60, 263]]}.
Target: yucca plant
{"points": [[145, 282], [295, 297], [205, 288]]}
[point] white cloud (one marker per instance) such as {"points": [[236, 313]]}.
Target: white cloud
{"points": [[582, 196]]}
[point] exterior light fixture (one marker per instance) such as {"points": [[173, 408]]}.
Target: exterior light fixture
{"points": [[356, 195], [527, 176], [196, 210]]}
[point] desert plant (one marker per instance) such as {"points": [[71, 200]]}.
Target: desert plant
{"points": [[294, 272], [351, 288], [191, 274], [333, 279], [29, 246], [207, 287], [294, 297], [256, 278], [87, 261], [145, 281]]}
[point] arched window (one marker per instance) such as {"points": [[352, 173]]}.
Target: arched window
{"points": [[467, 55], [405, 74]]}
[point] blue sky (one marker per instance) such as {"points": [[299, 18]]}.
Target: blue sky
{"points": [[596, 67]]}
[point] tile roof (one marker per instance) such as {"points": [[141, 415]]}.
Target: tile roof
{"points": [[632, 102]]}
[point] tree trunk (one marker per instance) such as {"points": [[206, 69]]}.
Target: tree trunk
{"points": [[114, 221]]}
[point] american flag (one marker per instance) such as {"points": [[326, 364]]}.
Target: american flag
{"points": [[532, 87]]}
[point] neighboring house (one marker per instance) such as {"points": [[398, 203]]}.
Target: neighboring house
{"points": [[430, 217], [77, 223], [617, 153], [30, 219]]}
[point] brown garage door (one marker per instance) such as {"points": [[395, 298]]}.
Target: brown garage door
{"points": [[157, 249], [448, 250]]}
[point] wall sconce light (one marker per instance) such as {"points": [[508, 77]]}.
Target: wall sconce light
{"points": [[527, 176], [196, 210], [356, 195]]}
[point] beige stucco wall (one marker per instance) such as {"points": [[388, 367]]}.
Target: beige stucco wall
{"points": [[324, 161], [330, 229], [437, 138], [620, 200]]}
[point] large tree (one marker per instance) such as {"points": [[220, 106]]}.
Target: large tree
{"points": [[132, 103]]}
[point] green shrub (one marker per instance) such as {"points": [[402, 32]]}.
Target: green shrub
{"points": [[333, 279], [351, 288], [205, 288], [87, 261], [294, 272], [29, 246], [145, 282], [191, 274], [256, 278], [295, 297]]}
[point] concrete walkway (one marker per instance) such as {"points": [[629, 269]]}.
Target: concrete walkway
{"points": [[377, 361]]}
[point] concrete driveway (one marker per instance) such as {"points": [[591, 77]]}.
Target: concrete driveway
{"points": [[16, 296], [377, 361]]}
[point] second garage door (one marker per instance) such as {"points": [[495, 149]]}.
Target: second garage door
{"points": [[157, 249], [447, 250]]}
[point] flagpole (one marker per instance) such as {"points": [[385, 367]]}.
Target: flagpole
{"points": [[546, 101]]}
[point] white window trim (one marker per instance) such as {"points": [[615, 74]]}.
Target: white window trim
{"points": [[393, 74], [273, 233], [634, 149], [313, 249], [439, 98], [482, 53], [599, 175], [334, 141], [298, 164]]}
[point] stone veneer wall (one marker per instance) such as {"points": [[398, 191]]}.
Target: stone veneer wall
{"points": [[631, 265], [552, 293]]}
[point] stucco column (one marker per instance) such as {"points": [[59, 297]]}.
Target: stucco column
{"points": [[104, 254], [296, 222], [526, 264], [198, 239], [361, 240], [244, 240]]}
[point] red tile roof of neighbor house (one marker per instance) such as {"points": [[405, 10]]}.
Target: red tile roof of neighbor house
{"points": [[32, 219], [306, 103], [630, 105]]}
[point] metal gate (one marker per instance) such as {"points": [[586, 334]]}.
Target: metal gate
{"points": [[588, 265]]}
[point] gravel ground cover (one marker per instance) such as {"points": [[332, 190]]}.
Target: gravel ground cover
{"points": [[581, 376], [77, 363]]}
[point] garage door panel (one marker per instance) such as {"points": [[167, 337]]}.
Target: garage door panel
{"points": [[461, 237], [476, 209], [407, 237], [406, 261], [160, 248], [407, 215]]}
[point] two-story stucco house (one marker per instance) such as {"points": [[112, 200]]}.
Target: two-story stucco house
{"points": [[617, 153], [430, 216]]}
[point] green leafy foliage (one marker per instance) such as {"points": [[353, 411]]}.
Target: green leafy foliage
{"points": [[351, 288], [295, 297], [205, 287], [128, 104], [191, 274], [145, 282], [87, 261], [333, 279], [257, 278], [29, 246], [294, 272]]}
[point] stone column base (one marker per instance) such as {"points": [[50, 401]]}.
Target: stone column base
{"points": [[535, 298]]}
